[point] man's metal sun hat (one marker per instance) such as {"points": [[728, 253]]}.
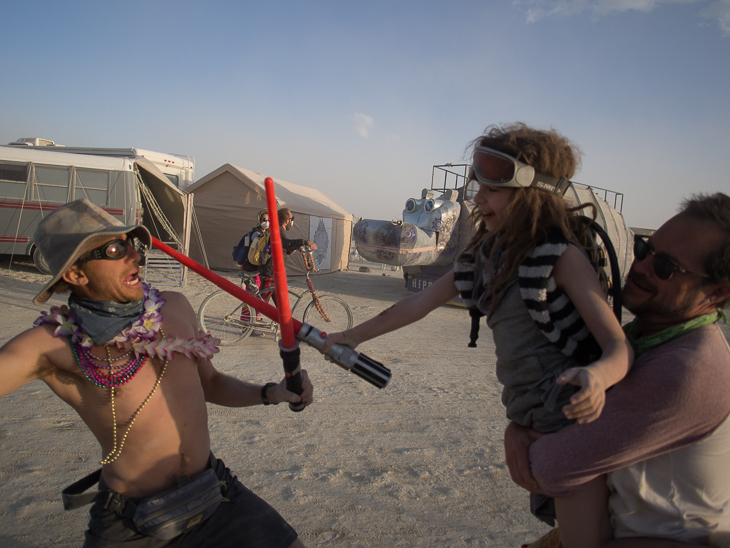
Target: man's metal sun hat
{"points": [[70, 231]]}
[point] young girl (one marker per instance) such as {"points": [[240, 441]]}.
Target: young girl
{"points": [[526, 270]]}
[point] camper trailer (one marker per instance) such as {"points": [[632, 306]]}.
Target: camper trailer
{"points": [[35, 181], [178, 168]]}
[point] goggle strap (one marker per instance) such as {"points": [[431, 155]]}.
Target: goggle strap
{"points": [[548, 183]]}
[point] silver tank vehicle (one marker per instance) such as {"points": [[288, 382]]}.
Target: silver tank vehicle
{"points": [[428, 233]]}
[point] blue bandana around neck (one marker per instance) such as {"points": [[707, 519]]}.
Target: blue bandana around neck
{"points": [[104, 320]]}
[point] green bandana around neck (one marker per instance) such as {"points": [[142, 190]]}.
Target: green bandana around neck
{"points": [[642, 345], [104, 320]]}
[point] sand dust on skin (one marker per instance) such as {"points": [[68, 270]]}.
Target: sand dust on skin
{"points": [[417, 464]]}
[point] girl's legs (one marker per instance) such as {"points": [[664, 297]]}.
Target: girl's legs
{"points": [[583, 517]]}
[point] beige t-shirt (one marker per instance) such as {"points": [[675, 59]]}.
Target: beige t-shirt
{"points": [[683, 495]]}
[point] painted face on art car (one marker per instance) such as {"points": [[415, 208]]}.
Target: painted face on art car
{"points": [[434, 216]]}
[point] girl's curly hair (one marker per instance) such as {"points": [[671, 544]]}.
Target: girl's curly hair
{"points": [[532, 213]]}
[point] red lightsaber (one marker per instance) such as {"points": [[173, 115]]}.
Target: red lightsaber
{"points": [[277, 255], [288, 346], [241, 294]]}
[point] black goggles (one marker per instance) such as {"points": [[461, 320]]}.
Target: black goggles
{"points": [[494, 168], [664, 268], [114, 250]]}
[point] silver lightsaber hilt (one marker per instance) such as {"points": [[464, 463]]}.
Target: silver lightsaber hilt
{"points": [[366, 368]]}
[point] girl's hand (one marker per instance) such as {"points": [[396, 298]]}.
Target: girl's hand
{"points": [[342, 337], [585, 405]]}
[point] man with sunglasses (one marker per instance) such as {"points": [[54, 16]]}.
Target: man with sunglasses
{"points": [[286, 222], [131, 362], [663, 439]]}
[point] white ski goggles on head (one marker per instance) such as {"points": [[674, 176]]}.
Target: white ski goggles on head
{"points": [[494, 168]]}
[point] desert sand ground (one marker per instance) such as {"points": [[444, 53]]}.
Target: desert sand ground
{"points": [[417, 464]]}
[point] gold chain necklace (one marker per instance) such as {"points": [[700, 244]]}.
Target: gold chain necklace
{"points": [[115, 452]]}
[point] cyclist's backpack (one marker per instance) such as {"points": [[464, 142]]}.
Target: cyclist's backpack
{"points": [[240, 252], [260, 251]]}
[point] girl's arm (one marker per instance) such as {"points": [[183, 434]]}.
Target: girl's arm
{"points": [[404, 312], [575, 275]]}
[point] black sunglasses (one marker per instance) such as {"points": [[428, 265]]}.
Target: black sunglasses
{"points": [[663, 267], [114, 250]]}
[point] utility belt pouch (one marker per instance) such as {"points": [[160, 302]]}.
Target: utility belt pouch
{"points": [[179, 509]]}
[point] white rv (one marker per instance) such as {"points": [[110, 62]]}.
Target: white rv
{"points": [[36, 180], [178, 168]]}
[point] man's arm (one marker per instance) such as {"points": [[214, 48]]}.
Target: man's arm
{"points": [[222, 389], [638, 542], [290, 246], [674, 396], [24, 358]]}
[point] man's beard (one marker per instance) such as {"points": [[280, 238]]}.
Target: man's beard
{"points": [[653, 306]]}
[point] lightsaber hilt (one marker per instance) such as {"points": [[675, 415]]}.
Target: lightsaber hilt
{"points": [[288, 346], [366, 368], [292, 373]]}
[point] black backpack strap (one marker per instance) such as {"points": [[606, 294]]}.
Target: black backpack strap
{"points": [[476, 316], [612, 261]]}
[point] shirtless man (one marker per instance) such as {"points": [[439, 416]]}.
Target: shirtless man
{"points": [[145, 404]]}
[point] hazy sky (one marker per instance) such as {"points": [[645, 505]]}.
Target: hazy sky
{"points": [[360, 98]]}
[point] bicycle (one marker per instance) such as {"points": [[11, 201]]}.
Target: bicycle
{"points": [[232, 321]]}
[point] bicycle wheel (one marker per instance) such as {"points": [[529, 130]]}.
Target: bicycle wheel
{"points": [[337, 314], [294, 298], [227, 318]]}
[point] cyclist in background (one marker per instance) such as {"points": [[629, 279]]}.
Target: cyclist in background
{"points": [[260, 252], [261, 229]]}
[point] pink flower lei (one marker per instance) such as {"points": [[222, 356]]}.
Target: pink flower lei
{"points": [[140, 336]]}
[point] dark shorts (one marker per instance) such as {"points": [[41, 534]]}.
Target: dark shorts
{"points": [[246, 521]]}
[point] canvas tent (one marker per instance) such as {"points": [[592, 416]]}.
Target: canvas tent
{"points": [[228, 199]]}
